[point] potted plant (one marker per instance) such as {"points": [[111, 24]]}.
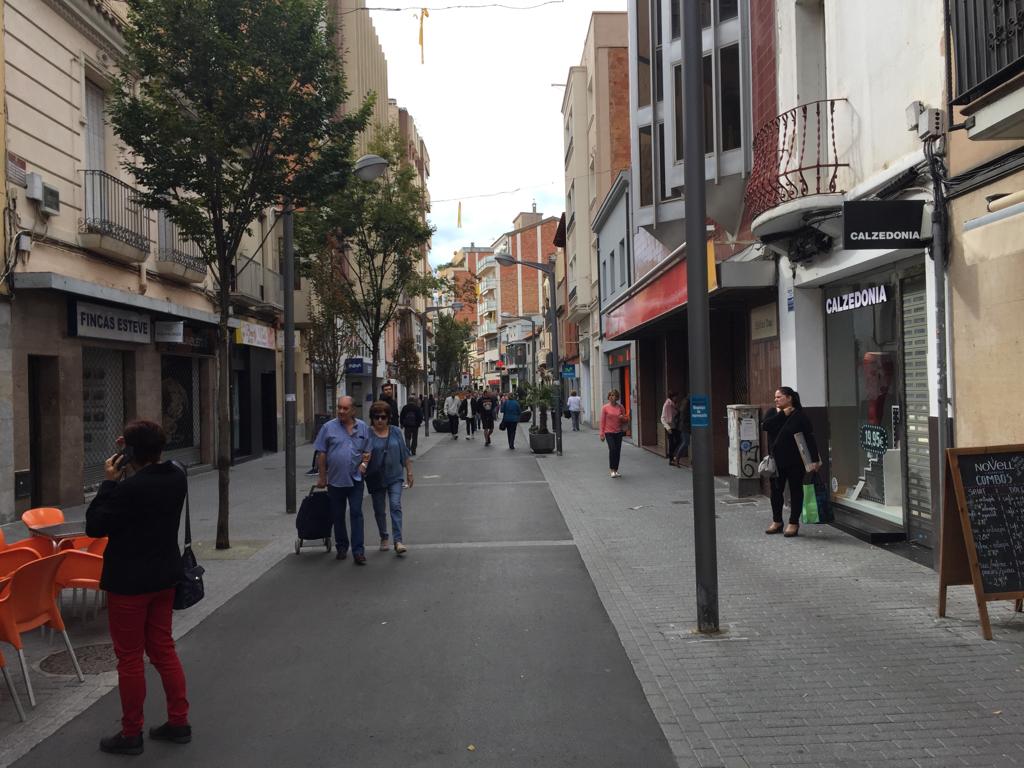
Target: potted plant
{"points": [[540, 396]]}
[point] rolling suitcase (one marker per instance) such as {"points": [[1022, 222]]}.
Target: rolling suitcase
{"points": [[313, 523]]}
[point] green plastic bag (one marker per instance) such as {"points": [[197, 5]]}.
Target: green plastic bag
{"points": [[809, 514]]}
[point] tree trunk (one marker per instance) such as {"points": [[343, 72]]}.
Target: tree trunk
{"points": [[223, 424], [373, 369]]}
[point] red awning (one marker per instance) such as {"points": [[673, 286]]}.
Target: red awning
{"points": [[664, 294]]}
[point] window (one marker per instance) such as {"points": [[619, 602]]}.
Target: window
{"points": [[705, 13], [709, 105], [666, 194], [622, 262], [643, 52], [659, 80], [605, 283], [646, 167], [676, 20], [611, 271], [727, 9], [732, 126], [95, 128], [677, 80]]}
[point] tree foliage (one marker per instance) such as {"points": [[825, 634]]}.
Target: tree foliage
{"points": [[333, 333], [379, 227], [407, 362], [451, 351], [228, 107]]}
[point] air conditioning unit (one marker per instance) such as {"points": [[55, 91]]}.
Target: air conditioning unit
{"points": [[46, 196]]}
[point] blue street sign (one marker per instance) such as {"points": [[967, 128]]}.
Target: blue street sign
{"points": [[699, 411]]}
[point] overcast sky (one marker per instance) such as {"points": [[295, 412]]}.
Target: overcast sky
{"points": [[484, 103]]}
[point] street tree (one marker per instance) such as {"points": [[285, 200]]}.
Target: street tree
{"points": [[407, 362], [379, 228], [332, 334], [451, 351], [228, 107]]}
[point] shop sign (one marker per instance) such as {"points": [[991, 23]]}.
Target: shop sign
{"points": [[568, 370], [619, 358], [699, 411], [868, 297], [96, 322], [874, 439], [254, 335], [355, 366], [194, 341], [169, 332], [297, 343], [763, 323], [869, 224]]}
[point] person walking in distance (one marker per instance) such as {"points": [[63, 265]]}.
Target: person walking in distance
{"points": [[141, 565], [575, 405], [344, 445], [411, 418], [390, 465], [487, 407], [451, 410], [683, 427], [613, 417], [388, 396], [669, 414], [466, 413], [786, 426], [510, 412]]}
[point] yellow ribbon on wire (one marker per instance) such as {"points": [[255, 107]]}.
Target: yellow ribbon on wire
{"points": [[458, 222], [424, 13]]}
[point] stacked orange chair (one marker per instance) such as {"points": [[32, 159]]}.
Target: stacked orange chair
{"points": [[12, 559], [40, 517], [80, 570], [42, 547], [29, 602]]}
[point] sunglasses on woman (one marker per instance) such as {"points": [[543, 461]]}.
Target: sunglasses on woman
{"points": [[378, 415]]}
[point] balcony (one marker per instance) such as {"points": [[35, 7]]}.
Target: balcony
{"points": [[177, 258], [988, 45], [796, 168], [115, 225], [487, 285], [247, 281], [486, 305], [273, 293], [485, 264], [487, 328]]}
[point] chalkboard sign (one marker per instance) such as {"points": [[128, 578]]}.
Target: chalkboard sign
{"points": [[982, 540]]}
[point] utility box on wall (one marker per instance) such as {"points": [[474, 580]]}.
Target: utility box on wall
{"points": [[744, 449]]}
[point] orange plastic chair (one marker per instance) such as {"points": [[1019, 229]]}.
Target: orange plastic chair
{"points": [[10, 688], [30, 602], [98, 546], [78, 542], [12, 559], [80, 571], [42, 547], [40, 516]]}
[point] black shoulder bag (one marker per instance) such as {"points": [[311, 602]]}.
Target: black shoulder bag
{"points": [[189, 590]]}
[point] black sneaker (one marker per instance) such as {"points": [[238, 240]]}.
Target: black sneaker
{"points": [[119, 744], [341, 554], [312, 472], [359, 559], [179, 734]]}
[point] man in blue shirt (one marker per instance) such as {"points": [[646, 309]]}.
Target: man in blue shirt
{"points": [[343, 444]]}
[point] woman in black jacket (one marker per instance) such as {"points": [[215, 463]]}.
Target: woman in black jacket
{"points": [[141, 565], [782, 426]]}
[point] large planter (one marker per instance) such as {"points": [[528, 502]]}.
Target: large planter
{"points": [[541, 442], [441, 425]]}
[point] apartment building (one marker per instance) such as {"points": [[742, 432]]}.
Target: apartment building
{"points": [[866, 369], [595, 117], [645, 283], [467, 289]]}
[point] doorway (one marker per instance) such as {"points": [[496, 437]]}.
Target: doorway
{"points": [[268, 411], [43, 430]]}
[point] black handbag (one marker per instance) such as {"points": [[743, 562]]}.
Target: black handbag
{"points": [[189, 589]]}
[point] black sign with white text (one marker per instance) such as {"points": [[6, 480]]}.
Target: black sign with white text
{"points": [[888, 224]]}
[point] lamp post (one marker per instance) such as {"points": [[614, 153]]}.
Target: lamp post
{"points": [[367, 168], [505, 259], [455, 305]]}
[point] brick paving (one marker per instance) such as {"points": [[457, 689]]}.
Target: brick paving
{"points": [[831, 655]]}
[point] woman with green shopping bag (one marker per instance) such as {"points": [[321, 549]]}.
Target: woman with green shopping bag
{"points": [[784, 426]]}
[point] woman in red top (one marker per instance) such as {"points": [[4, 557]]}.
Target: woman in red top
{"points": [[613, 416]]}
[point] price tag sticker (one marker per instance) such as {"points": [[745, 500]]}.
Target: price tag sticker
{"points": [[874, 439]]}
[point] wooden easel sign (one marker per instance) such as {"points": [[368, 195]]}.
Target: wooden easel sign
{"points": [[982, 537]]}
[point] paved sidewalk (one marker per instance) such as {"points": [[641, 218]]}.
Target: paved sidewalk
{"points": [[261, 535], [832, 654]]}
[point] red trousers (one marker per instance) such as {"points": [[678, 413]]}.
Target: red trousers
{"points": [[143, 623]]}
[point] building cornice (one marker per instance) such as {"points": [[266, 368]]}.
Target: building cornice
{"points": [[95, 20]]}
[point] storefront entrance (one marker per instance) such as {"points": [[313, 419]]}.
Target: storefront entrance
{"points": [[179, 395], [878, 405], [103, 408]]}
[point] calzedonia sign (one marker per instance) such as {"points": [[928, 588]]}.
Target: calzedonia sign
{"points": [[889, 224], [866, 297]]}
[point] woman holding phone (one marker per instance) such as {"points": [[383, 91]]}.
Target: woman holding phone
{"points": [[613, 419]]}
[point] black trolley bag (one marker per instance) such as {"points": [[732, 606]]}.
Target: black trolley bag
{"points": [[314, 522]]}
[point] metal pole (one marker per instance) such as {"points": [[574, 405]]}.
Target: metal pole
{"points": [[426, 380], [697, 321], [938, 254], [533, 362], [554, 357], [289, 359]]}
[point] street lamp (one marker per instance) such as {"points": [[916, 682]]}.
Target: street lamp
{"points": [[505, 259], [367, 168], [455, 305]]}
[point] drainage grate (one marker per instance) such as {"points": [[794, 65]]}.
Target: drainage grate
{"points": [[94, 659]]}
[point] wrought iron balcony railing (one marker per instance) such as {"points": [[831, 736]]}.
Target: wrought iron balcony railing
{"points": [[988, 45], [172, 247], [795, 156], [111, 209]]}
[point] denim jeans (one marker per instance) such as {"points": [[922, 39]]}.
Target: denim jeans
{"points": [[510, 432], [684, 445], [614, 440], [575, 421], [353, 497], [392, 497]]}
